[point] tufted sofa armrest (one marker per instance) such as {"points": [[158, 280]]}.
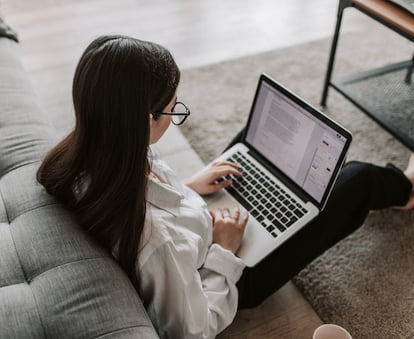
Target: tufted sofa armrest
{"points": [[55, 282], [25, 134]]}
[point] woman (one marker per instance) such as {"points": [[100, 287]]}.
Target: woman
{"points": [[179, 255]]}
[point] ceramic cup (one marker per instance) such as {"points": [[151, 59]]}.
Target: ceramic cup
{"points": [[331, 331]]}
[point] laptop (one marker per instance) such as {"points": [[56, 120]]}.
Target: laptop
{"points": [[290, 157]]}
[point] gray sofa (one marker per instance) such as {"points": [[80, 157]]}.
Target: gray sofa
{"points": [[55, 282]]}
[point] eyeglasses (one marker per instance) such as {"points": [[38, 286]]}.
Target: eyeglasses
{"points": [[179, 113]]}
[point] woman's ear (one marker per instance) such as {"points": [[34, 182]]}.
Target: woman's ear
{"points": [[154, 117]]}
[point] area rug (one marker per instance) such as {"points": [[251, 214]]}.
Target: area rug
{"points": [[366, 282]]}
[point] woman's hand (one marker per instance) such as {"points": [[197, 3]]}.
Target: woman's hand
{"points": [[228, 230], [208, 180]]}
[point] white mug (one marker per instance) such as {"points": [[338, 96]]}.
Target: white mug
{"points": [[331, 331]]}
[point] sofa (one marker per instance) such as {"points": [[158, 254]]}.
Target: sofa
{"points": [[55, 281]]}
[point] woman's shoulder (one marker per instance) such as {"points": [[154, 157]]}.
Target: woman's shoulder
{"points": [[160, 229], [159, 239]]}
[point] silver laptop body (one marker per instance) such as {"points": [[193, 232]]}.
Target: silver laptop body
{"points": [[290, 157]]}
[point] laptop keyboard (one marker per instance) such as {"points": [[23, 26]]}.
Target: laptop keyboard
{"points": [[265, 200]]}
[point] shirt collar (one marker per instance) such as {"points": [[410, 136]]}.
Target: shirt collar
{"points": [[163, 196]]}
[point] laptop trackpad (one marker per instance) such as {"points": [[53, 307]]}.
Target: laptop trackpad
{"points": [[256, 244]]}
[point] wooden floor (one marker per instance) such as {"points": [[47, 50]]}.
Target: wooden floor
{"points": [[53, 34]]}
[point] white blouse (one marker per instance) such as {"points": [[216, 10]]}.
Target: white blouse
{"points": [[187, 283]]}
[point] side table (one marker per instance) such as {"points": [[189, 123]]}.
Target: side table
{"points": [[392, 106]]}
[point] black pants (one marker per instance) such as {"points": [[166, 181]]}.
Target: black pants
{"points": [[360, 187]]}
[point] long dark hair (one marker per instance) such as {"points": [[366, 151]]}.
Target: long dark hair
{"points": [[100, 169]]}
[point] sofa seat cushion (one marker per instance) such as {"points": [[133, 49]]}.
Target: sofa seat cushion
{"points": [[55, 281]]}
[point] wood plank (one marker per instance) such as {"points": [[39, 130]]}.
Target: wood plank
{"points": [[285, 315], [389, 13]]}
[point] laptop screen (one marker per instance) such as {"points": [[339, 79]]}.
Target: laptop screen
{"points": [[300, 141]]}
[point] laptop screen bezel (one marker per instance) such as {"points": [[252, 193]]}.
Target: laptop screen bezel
{"points": [[315, 112]]}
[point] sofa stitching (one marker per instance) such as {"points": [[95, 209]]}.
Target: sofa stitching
{"points": [[122, 329], [17, 255], [5, 207], [31, 209], [38, 312], [11, 236], [22, 268], [20, 165], [36, 276], [67, 263]]}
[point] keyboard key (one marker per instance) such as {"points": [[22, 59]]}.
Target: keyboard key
{"points": [[298, 213], [279, 225], [289, 223], [239, 198]]}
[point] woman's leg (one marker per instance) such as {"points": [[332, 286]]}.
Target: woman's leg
{"points": [[360, 188]]}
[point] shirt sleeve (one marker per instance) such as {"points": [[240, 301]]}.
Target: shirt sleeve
{"points": [[188, 302]]}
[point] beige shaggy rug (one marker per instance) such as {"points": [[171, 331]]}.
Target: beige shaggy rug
{"points": [[366, 282]]}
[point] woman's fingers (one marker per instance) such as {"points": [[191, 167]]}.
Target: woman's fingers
{"points": [[228, 230], [225, 163], [222, 171], [236, 214], [244, 220], [232, 217]]}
